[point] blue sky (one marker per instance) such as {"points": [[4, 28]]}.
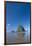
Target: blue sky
{"points": [[17, 14]]}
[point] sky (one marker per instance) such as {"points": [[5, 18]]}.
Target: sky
{"points": [[17, 14]]}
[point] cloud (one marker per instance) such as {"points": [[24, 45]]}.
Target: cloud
{"points": [[8, 27], [8, 24]]}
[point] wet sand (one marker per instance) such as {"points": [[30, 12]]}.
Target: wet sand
{"points": [[17, 37]]}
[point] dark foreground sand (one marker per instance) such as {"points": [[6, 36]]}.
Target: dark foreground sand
{"points": [[17, 37]]}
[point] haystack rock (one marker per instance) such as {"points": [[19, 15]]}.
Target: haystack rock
{"points": [[21, 28]]}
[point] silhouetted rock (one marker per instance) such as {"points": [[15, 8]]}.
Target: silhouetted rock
{"points": [[21, 28], [12, 31]]}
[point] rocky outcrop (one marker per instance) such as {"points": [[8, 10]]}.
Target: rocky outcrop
{"points": [[20, 28]]}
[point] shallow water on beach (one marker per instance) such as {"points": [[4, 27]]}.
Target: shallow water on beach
{"points": [[17, 37]]}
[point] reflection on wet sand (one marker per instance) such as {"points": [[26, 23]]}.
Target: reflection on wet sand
{"points": [[17, 37]]}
